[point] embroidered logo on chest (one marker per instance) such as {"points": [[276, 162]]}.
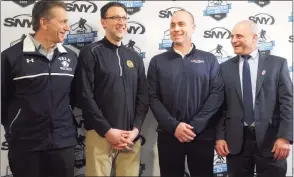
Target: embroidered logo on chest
{"points": [[65, 63], [130, 64], [197, 61]]}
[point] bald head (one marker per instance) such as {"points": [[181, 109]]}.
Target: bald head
{"points": [[186, 13], [248, 26], [244, 37], [181, 28]]}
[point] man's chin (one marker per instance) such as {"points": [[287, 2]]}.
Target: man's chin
{"points": [[178, 43]]}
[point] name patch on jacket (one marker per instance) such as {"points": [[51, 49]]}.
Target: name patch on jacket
{"points": [[197, 61]]}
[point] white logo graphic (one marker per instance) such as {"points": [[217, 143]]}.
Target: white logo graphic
{"points": [[30, 60], [65, 63]]}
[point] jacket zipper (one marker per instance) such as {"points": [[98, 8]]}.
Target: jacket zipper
{"points": [[50, 82], [120, 69], [17, 115]]}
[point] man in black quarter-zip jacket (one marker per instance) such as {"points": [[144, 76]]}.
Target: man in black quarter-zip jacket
{"points": [[186, 91], [113, 95], [36, 79]]}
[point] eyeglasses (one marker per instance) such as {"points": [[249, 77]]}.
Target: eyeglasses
{"points": [[117, 18]]}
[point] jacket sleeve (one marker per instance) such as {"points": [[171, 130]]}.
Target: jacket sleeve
{"points": [[85, 88], [214, 100], [6, 89], [163, 117], [142, 100], [221, 125], [285, 93]]}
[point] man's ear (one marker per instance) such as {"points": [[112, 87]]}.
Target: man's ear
{"points": [[103, 23], [43, 23], [193, 28]]}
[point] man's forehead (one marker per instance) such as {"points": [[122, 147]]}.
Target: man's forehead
{"points": [[181, 16], [116, 10]]}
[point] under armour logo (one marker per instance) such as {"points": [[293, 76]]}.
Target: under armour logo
{"points": [[30, 60]]}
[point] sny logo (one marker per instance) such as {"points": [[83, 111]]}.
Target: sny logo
{"points": [[4, 146], [167, 13], [87, 7], [23, 3], [166, 42], [263, 19], [132, 6], [261, 3], [218, 33], [291, 38], [80, 34], [135, 28], [220, 54], [218, 10], [131, 45], [265, 44], [22, 20]]}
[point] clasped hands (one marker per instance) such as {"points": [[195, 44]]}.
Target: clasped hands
{"points": [[121, 139]]}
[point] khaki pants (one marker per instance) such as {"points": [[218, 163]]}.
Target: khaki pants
{"points": [[99, 157]]}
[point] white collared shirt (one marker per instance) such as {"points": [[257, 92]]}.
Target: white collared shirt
{"points": [[42, 50], [253, 64], [179, 52]]}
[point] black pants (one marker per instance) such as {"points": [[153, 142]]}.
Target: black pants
{"points": [[49, 163], [242, 164], [172, 154]]}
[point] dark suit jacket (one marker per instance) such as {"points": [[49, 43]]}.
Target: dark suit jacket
{"points": [[273, 112]]}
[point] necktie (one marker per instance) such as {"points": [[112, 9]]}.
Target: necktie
{"points": [[247, 92]]}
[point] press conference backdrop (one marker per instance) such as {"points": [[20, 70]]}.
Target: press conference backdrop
{"points": [[148, 34]]}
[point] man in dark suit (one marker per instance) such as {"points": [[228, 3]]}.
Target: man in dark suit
{"points": [[256, 126]]}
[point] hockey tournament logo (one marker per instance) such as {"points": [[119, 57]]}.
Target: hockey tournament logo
{"points": [[260, 3], [80, 34], [23, 3], [219, 165], [166, 42], [220, 54], [264, 43], [132, 6], [131, 45], [218, 10]]}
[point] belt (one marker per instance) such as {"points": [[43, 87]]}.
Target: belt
{"points": [[251, 128]]}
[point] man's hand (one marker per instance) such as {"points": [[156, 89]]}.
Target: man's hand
{"points": [[281, 149], [184, 132], [116, 137], [131, 135], [222, 148]]}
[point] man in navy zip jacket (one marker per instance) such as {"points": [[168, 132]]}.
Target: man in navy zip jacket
{"points": [[186, 91], [36, 78], [113, 95]]}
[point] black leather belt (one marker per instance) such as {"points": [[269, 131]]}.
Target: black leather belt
{"points": [[251, 128]]}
